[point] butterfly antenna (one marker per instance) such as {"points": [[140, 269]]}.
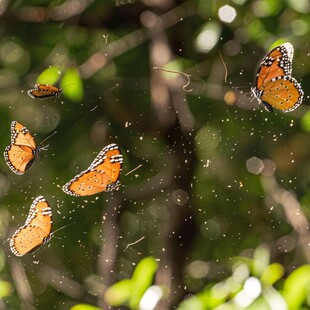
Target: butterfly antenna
{"points": [[131, 171], [42, 148], [50, 236], [237, 87], [62, 227]]}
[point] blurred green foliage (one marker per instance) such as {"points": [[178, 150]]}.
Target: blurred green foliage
{"points": [[84, 307], [130, 291], [219, 207], [241, 290]]}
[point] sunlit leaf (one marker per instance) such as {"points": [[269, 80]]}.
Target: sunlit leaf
{"points": [[261, 260], [209, 298], [272, 7], [49, 76], [84, 307], [259, 304], [2, 258], [151, 297], [305, 122], [272, 297], [5, 289], [141, 279], [272, 274], [72, 85], [119, 293], [297, 287], [192, 302]]}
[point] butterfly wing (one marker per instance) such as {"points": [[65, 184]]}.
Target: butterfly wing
{"points": [[44, 91], [20, 135], [283, 93], [22, 152], [19, 158], [102, 174], [36, 230], [278, 62], [275, 86]]}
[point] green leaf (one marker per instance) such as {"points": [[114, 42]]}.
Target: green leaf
{"points": [[84, 307], [119, 293], [5, 289], [305, 122], [49, 76], [209, 298], [192, 302], [272, 274], [297, 287], [141, 279], [261, 260], [72, 85]]}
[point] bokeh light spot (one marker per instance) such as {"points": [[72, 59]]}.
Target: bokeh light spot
{"points": [[208, 37], [227, 13]]}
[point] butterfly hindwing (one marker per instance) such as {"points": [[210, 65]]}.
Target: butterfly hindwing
{"points": [[102, 174], [283, 93], [18, 158], [36, 230]]}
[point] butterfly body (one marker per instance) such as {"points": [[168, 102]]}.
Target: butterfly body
{"points": [[36, 231], [275, 87], [23, 151], [102, 174], [44, 91]]}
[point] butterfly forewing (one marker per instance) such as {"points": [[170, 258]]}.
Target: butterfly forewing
{"points": [[102, 175], [20, 135], [22, 152], [36, 230], [277, 62], [268, 73]]}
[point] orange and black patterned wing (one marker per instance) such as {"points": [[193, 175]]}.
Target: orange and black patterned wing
{"points": [[102, 175], [44, 91], [22, 152], [283, 93], [275, 87], [36, 231], [278, 62]]}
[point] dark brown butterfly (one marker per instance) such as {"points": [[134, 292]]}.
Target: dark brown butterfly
{"points": [[44, 91]]}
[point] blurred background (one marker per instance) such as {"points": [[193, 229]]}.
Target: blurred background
{"points": [[216, 215]]}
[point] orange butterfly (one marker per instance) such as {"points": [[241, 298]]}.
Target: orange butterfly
{"points": [[102, 175], [275, 87], [36, 231], [44, 91], [23, 151]]}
